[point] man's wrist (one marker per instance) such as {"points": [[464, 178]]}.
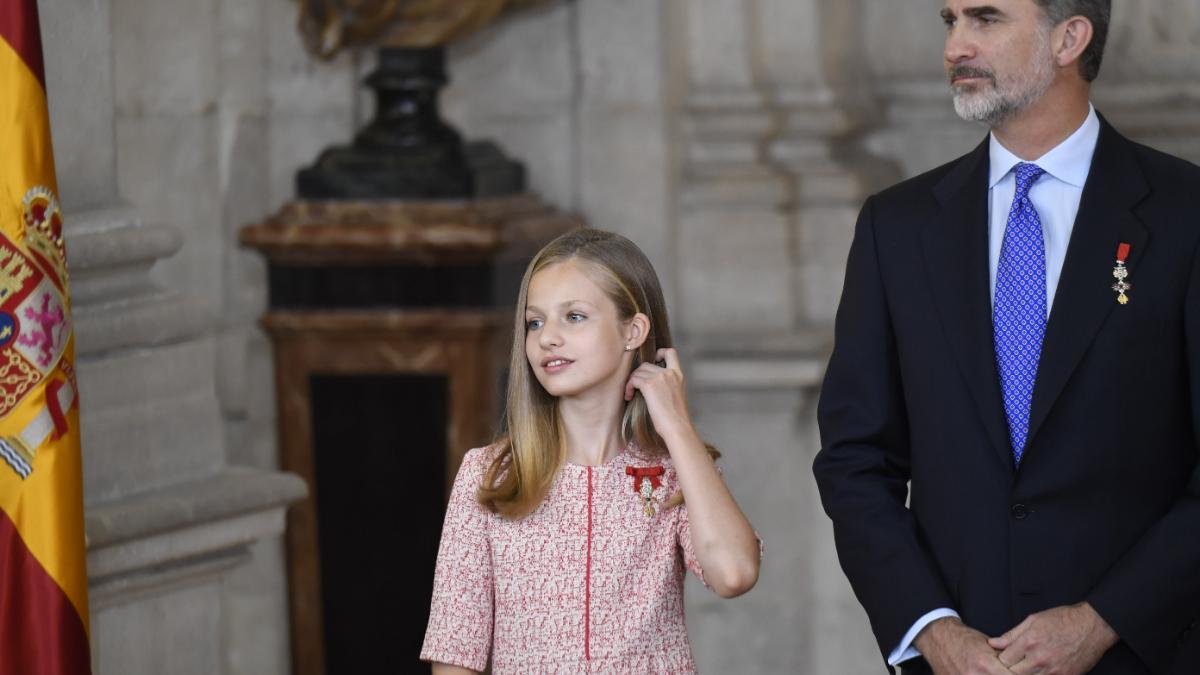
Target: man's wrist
{"points": [[927, 640], [1101, 628]]}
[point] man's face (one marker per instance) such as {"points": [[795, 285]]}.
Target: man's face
{"points": [[997, 57]]}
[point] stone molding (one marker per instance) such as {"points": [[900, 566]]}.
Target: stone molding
{"points": [[173, 537]]}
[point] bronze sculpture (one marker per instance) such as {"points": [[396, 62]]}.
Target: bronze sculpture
{"points": [[407, 151], [331, 25]]}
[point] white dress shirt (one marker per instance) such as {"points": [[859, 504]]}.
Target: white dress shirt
{"points": [[1056, 197]]}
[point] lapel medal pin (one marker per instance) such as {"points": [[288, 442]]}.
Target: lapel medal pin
{"points": [[1121, 273], [645, 480]]}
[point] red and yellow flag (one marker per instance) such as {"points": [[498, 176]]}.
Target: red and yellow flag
{"points": [[43, 578]]}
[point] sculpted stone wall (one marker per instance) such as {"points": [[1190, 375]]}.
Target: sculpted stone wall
{"points": [[176, 518], [734, 140]]}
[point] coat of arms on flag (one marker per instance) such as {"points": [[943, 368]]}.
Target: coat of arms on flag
{"points": [[34, 326]]}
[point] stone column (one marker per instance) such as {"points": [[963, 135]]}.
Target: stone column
{"points": [[625, 152], [167, 516], [734, 229], [771, 183]]}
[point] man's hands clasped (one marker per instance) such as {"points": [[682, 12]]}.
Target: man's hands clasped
{"points": [[1059, 641], [954, 648]]}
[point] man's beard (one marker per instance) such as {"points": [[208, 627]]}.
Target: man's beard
{"points": [[999, 99]]}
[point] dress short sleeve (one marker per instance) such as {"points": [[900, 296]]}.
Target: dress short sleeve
{"points": [[689, 551], [460, 617], [685, 543]]}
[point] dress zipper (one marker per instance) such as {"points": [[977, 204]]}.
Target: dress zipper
{"points": [[587, 581]]}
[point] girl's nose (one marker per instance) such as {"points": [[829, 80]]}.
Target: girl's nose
{"points": [[550, 338]]}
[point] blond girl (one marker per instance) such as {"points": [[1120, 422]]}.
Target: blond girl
{"points": [[566, 541]]}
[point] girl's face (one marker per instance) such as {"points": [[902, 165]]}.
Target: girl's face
{"points": [[574, 339]]}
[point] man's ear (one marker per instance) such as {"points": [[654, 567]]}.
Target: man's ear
{"points": [[637, 330], [1071, 38]]}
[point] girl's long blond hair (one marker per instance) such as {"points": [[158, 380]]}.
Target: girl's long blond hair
{"points": [[532, 447]]}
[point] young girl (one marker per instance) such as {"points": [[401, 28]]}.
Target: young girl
{"points": [[565, 542]]}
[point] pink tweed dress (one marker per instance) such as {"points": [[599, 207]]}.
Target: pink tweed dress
{"points": [[587, 583]]}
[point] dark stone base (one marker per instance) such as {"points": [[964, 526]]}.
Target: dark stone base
{"points": [[482, 170], [408, 151]]}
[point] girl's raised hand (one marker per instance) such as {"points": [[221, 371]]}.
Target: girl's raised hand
{"points": [[665, 392]]}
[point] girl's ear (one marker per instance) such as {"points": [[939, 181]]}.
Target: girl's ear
{"points": [[637, 330]]}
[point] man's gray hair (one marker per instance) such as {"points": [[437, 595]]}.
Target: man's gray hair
{"points": [[1098, 12]]}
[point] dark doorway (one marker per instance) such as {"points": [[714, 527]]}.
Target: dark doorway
{"points": [[379, 446]]}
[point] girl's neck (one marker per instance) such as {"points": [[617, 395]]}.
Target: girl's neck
{"points": [[591, 428]]}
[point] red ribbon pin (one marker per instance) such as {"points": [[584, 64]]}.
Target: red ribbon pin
{"points": [[641, 473]]}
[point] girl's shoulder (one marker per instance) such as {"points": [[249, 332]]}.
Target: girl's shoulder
{"points": [[475, 464], [483, 455]]}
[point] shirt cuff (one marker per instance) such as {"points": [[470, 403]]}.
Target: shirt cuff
{"points": [[906, 649]]}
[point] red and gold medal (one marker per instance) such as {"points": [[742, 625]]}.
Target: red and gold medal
{"points": [[645, 481], [1121, 273]]}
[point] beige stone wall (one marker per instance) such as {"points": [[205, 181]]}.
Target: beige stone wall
{"points": [[734, 140]]}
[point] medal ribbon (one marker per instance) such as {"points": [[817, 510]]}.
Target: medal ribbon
{"points": [[1120, 273], [641, 473]]}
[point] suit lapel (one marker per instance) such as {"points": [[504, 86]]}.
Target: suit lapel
{"points": [[956, 258], [1084, 296]]}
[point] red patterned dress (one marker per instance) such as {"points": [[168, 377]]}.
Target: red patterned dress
{"points": [[587, 583]]}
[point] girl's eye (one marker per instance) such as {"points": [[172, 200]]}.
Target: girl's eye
{"points": [[576, 317], [533, 324]]}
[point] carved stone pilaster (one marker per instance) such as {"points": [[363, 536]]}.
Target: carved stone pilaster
{"points": [[734, 219], [167, 518], [771, 182]]}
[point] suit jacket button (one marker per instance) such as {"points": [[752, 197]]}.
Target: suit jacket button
{"points": [[1020, 511]]}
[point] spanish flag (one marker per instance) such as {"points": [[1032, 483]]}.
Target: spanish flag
{"points": [[43, 579]]}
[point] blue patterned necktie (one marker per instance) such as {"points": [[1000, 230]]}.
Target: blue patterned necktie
{"points": [[1019, 310]]}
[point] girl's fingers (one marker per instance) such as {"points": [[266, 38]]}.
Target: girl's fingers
{"points": [[639, 377], [636, 379], [648, 372], [669, 356]]}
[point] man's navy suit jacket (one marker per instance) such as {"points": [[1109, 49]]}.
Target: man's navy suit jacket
{"points": [[1105, 506]]}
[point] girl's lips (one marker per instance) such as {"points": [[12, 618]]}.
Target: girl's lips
{"points": [[553, 366]]}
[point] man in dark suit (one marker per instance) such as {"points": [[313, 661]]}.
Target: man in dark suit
{"points": [[1010, 421]]}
